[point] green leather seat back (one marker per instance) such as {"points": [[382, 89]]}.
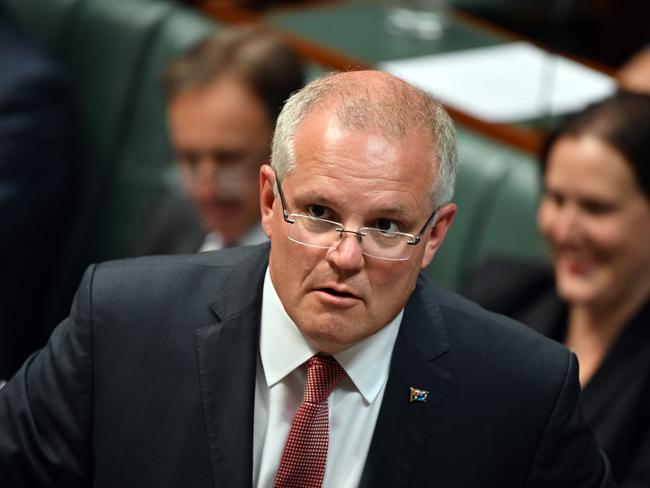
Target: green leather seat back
{"points": [[144, 154], [497, 191], [511, 226], [103, 50]]}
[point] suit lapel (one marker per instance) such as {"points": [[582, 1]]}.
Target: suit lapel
{"points": [[404, 428], [227, 358]]}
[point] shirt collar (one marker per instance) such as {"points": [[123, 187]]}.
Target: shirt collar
{"points": [[283, 348]]}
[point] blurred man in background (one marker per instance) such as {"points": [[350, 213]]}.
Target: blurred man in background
{"points": [[223, 98]]}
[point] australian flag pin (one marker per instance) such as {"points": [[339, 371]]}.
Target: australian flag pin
{"points": [[418, 395]]}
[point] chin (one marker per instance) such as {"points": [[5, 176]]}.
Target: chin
{"points": [[327, 343], [578, 291], [329, 338]]}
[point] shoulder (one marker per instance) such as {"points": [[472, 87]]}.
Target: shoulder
{"points": [[486, 341], [153, 267], [162, 300], [163, 280], [505, 387], [499, 281]]}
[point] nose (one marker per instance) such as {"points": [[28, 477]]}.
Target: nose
{"points": [[565, 227], [346, 253], [203, 178]]}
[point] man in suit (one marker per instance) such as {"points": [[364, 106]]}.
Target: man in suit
{"points": [[223, 97], [321, 359]]}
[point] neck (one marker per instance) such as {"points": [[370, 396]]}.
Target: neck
{"points": [[592, 329], [600, 327], [607, 318]]}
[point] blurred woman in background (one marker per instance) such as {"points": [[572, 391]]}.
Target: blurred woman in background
{"points": [[595, 215]]}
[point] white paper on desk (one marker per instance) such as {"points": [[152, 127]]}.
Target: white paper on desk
{"points": [[505, 83]]}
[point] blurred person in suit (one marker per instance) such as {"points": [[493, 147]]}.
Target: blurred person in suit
{"points": [[37, 155], [223, 97], [595, 215]]}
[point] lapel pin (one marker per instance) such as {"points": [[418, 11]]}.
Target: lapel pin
{"points": [[418, 395]]}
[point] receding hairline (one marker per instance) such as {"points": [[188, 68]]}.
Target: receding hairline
{"points": [[396, 98]]}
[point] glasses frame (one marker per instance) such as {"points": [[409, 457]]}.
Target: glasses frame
{"points": [[414, 239]]}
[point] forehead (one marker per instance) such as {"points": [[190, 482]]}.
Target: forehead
{"points": [[362, 165], [224, 109], [587, 164]]}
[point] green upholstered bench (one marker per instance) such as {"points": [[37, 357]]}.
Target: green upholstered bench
{"points": [[497, 192]]}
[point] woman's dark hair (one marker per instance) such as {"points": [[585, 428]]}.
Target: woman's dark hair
{"points": [[621, 121]]}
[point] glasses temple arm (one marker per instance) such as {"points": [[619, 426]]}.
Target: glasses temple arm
{"points": [[285, 212], [421, 233]]}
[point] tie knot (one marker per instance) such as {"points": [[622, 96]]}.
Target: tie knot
{"points": [[323, 374]]}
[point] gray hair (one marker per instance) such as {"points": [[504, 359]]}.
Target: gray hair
{"points": [[384, 104]]}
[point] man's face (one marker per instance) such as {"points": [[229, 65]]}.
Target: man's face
{"points": [[338, 296], [221, 134]]}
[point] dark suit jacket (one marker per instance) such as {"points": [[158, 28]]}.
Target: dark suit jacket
{"points": [[37, 140], [616, 401], [150, 383]]}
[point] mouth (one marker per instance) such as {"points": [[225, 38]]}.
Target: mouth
{"points": [[343, 294], [338, 297], [575, 264], [227, 202], [224, 209]]}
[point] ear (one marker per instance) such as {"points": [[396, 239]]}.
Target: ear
{"points": [[267, 197], [444, 218]]}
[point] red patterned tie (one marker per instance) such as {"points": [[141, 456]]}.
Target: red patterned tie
{"points": [[305, 454]]}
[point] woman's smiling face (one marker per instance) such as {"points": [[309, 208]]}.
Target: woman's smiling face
{"points": [[597, 222]]}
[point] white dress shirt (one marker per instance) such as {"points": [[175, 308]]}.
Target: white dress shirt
{"points": [[353, 405]]}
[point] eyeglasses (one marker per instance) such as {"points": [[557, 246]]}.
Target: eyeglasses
{"points": [[325, 234], [221, 175]]}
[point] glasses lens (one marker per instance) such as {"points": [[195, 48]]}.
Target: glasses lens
{"points": [[386, 245], [312, 231], [230, 180]]}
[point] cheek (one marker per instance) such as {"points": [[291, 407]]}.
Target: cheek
{"points": [[610, 238], [185, 178], [292, 262], [379, 279], [545, 219], [391, 282], [199, 195]]}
